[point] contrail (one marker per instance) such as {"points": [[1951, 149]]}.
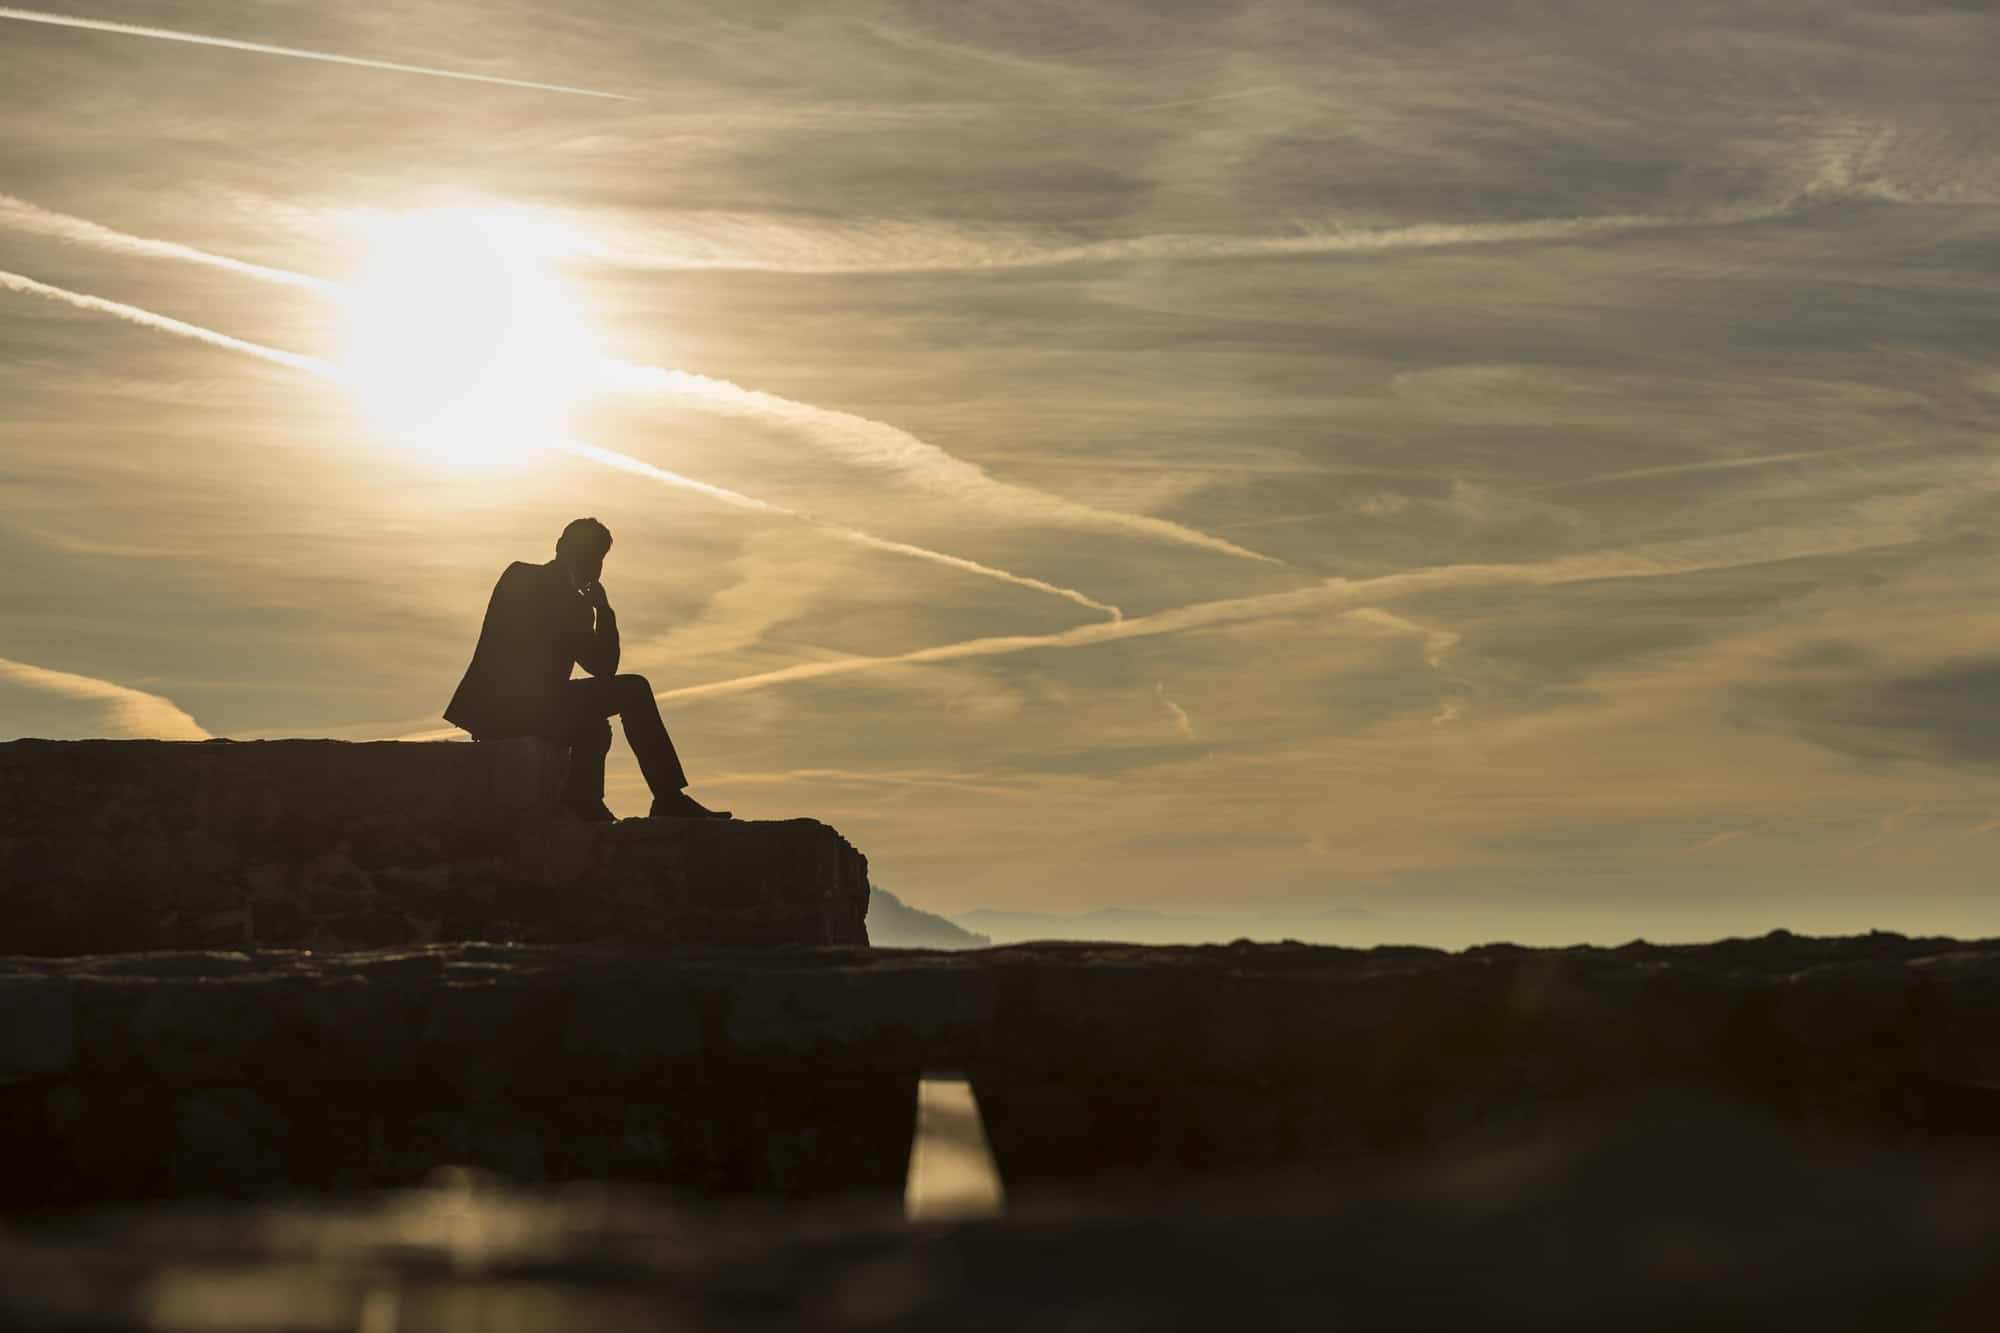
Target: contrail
{"points": [[293, 52], [892, 247], [24, 216], [129, 712], [1894, 525], [610, 458], [878, 444], [1730, 464], [857, 438], [310, 364], [627, 463]]}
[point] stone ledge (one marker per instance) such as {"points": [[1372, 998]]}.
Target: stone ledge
{"points": [[1098, 1068], [109, 846]]}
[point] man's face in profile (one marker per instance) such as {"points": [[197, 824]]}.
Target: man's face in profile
{"points": [[585, 567]]}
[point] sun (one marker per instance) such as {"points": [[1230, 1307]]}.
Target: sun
{"points": [[460, 340]]}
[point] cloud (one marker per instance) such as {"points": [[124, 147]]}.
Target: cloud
{"points": [[1899, 521], [856, 438], [1183, 724], [129, 713], [626, 463], [1938, 712], [1437, 642], [873, 443], [762, 244], [1816, 456], [606, 457], [291, 52], [1073, 280]]}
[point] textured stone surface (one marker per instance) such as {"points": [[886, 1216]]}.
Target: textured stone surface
{"points": [[1100, 1070], [1668, 1224], [111, 846], [1138, 1068], [158, 1075]]}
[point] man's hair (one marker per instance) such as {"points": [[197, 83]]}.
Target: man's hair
{"points": [[585, 534]]}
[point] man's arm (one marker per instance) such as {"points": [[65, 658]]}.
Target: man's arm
{"points": [[600, 654]]}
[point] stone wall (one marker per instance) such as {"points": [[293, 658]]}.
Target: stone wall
{"points": [[112, 846], [1116, 1069], [1098, 1068], [191, 1074]]}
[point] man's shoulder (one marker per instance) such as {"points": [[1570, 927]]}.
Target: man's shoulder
{"points": [[523, 572], [523, 584]]}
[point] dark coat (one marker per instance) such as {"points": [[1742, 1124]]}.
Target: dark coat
{"points": [[536, 629]]}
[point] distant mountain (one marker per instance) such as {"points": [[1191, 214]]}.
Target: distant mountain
{"points": [[894, 924]]}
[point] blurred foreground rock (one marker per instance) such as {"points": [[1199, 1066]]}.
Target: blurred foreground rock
{"points": [[1650, 1221], [115, 846]]}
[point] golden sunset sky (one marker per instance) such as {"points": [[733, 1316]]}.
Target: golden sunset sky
{"points": [[1366, 470]]}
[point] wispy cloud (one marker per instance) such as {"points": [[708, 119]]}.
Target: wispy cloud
{"points": [[759, 244], [878, 444], [1183, 724], [854, 438], [870, 778], [1890, 524], [290, 52], [1818, 456], [127, 712], [1437, 642], [626, 463], [605, 457]]}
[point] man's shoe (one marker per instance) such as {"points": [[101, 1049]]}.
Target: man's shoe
{"points": [[591, 812], [683, 806]]}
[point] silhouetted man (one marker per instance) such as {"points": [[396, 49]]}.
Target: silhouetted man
{"points": [[542, 620]]}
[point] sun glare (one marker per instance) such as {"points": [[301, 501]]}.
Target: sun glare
{"points": [[461, 341]]}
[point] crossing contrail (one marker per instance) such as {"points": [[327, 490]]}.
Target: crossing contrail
{"points": [[627, 463], [610, 458], [1907, 520], [292, 52]]}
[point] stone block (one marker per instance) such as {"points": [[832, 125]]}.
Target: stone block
{"points": [[113, 1137], [37, 1028], [227, 1141], [644, 1032], [163, 844]]}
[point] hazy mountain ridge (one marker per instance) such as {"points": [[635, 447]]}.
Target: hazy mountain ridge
{"points": [[894, 924]]}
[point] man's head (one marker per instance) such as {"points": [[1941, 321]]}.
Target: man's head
{"points": [[581, 550]]}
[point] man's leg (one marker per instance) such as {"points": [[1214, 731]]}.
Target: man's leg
{"points": [[631, 698], [647, 735], [583, 786]]}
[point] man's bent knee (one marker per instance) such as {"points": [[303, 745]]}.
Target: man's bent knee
{"points": [[634, 686]]}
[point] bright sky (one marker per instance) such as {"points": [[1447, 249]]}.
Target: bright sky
{"points": [[1540, 455]]}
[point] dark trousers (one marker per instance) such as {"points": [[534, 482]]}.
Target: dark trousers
{"points": [[588, 707]]}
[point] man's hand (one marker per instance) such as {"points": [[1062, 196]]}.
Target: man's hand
{"points": [[593, 594]]}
